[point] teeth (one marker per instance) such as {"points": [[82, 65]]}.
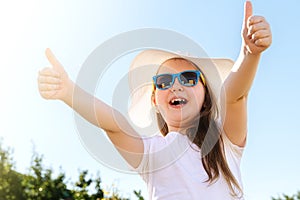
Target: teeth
{"points": [[178, 101]]}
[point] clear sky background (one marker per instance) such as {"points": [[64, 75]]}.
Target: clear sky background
{"points": [[73, 29]]}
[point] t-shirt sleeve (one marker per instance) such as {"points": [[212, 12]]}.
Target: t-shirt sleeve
{"points": [[158, 153], [151, 147], [233, 154], [143, 166], [237, 150]]}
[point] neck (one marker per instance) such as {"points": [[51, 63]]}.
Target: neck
{"points": [[183, 129]]}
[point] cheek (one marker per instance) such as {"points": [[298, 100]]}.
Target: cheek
{"points": [[199, 95], [160, 97]]}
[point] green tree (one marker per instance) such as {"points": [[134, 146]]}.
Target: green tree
{"points": [[138, 194], [286, 197], [99, 192], [81, 191], [10, 180], [39, 184], [83, 186]]}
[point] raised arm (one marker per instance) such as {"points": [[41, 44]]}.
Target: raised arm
{"points": [[257, 37], [54, 83]]}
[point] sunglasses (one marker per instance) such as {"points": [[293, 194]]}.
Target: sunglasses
{"points": [[185, 78]]}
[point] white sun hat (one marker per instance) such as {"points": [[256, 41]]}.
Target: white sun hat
{"points": [[146, 64]]}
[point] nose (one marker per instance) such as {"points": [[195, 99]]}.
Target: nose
{"points": [[176, 86]]}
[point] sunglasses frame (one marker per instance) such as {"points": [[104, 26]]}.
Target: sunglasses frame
{"points": [[174, 76]]}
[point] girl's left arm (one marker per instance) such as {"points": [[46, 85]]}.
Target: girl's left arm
{"points": [[257, 37]]}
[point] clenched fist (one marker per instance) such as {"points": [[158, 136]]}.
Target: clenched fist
{"points": [[53, 82], [256, 31]]}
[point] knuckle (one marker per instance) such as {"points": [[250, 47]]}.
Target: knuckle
{"points": [[257, 35], [258, 42], [268, 26], [251, 18], [252, 29], [259, 18], [262, 18]]}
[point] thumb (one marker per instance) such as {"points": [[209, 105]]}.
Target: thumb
{"points": [[248, 12], [54, 62]]}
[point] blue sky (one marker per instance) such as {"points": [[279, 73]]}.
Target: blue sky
{"points": [[73, 29]]}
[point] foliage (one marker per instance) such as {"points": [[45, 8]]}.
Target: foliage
{"points": [[138, 195], [10, 180], [41, 184], [82, 186], [286, 197]]}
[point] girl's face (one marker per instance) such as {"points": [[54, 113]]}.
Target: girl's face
{"points": [[182, 115]]}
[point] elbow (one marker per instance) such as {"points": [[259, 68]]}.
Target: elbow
{"points": [[232, 95], [233, 100]]}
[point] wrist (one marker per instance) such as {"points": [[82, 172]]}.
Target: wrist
{"points": [[69, 93], [245, 52]]}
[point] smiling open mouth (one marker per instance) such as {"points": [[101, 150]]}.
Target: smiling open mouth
{"points": [[178, 101]]}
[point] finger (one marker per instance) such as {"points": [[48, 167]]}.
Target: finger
{"points": [[48, 94], [248, 11], [48, 87], [256, 27], [53, 60], [49, 80], [260, 34], [263, 42], [256, 19], [49, 72]]}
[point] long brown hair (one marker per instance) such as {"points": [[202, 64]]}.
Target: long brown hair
{"points": [[207, 136]]}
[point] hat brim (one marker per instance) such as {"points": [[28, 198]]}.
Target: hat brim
{"points": [[145, 66]]}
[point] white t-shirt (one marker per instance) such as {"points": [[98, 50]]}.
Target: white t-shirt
{"points": [[172, 169]]}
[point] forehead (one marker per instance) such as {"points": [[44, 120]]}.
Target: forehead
{"points": [[176, 65]]}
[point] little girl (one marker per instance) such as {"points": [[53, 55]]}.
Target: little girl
{"points": [[202, 117]]}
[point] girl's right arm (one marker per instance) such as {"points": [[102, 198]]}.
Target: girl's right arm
{"points": [[54, 83]]}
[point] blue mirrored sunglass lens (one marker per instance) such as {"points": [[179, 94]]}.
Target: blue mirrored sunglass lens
{"points": [[188, 78], [164, 81]]}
